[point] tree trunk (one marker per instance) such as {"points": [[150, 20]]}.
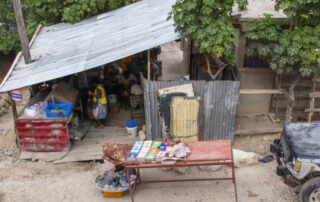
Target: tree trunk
{"points": [[291, 99], [220, 65]]}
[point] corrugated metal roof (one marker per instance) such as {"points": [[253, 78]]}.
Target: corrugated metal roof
{"points": [[66, 49]]}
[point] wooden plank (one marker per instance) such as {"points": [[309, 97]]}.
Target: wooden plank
{"points": [[312, 110], [263, 91], [241, 50], [43, 156], [22, 31], [35, 35], [257, 131], [149, 65], [314, 94], [101, 141], [79, 158], [316, 79], [91, 147], [272, 118]]}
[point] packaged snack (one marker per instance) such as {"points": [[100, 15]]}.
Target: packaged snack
{"points": [[138, 144], [141, 156], [153, 150], [150, 157], [132, 157], [162, 147], [145, 149], [147, 143], [135, 150], [156, 144]]}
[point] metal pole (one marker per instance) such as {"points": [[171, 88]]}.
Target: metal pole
{"points": [[22, 31]]}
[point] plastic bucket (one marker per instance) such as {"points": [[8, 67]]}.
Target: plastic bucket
{"points": [[132, 127]]}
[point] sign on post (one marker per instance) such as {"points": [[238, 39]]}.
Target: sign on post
{"points": [[16, 95]]}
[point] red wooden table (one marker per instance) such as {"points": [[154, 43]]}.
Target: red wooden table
{"points": [[203, 153]]}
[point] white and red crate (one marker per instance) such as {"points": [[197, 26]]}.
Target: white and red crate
{"points": [[45, 135]]}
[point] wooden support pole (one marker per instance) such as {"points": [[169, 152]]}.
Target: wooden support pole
{"points": [[13, 107], [311, 110], [22, 31], [149, 64], [15, 116], [241, 50]]}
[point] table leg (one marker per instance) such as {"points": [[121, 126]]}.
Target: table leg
{"points": [[234, 182], [138, 175], [129, 182]]}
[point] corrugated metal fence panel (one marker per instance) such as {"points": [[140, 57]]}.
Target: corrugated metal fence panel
{"points": [[153, 130], [220, 104], [217, 112]]}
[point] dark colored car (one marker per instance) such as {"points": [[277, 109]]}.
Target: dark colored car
{"points": [[298, 158]]}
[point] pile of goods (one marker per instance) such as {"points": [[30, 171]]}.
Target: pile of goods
{"points": [[158, 151], [114, 182]]}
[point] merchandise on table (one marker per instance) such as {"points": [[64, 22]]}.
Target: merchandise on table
{"points": [[145, 149], [132, 157], [169, 149], [156, 144], [147, 143], [160, 155], [150, 157], [135, 150], [141, 156], [154, 150], [138, 143], [162, 147]]}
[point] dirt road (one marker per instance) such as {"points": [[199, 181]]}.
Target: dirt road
{"points": [[40, 181]]}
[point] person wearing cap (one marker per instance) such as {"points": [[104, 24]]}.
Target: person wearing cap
{"points": [[99, 98]]}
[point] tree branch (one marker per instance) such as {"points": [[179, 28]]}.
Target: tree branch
{"points": [[291, 99], [220, 65]]}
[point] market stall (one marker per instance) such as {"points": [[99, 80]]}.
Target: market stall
{"points": [[47, 122], [169, 154]]}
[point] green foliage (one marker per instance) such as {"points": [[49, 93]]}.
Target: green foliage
{"points": [[301, 11], [54, 11], [291, 45], [8, 34], [209, 24], [47, 12], [113, 4]]}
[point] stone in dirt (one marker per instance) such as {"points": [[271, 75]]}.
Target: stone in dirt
{"points": [[244, 158], [251, 194]]}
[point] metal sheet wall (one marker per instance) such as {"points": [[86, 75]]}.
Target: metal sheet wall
{"points": [[220, 106], [218, 103]]}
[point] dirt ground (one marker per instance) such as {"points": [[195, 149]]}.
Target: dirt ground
{"points": [[40, 181], [255, 143]]}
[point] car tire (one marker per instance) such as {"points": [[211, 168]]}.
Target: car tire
{"points": [[310, 190]]}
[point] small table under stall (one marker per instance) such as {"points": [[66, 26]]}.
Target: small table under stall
{"points": [[203, 153]]}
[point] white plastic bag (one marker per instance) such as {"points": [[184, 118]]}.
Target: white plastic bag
{"points": [[36, 110]]}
